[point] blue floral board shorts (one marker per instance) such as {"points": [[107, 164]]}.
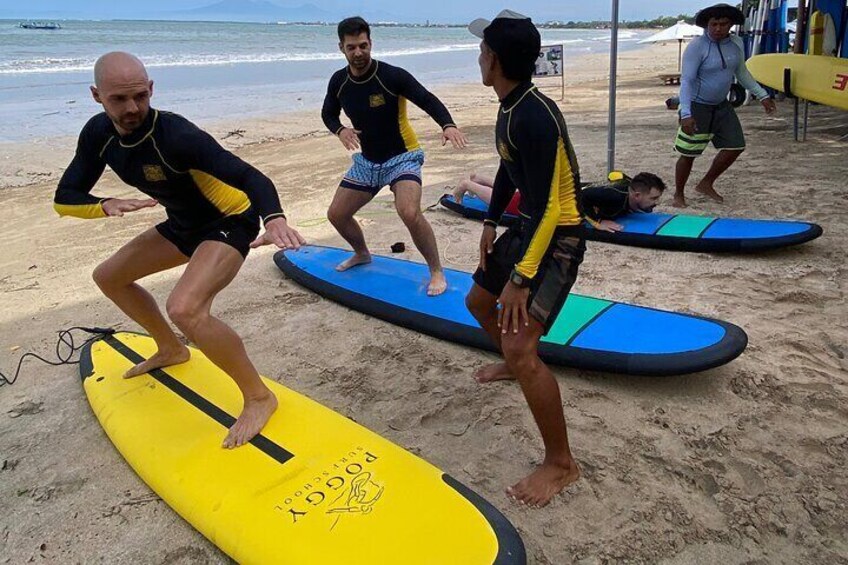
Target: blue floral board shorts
{"points": [[371, 177]]}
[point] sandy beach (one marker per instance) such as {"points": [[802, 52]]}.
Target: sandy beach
{"points": [[740, 464]]}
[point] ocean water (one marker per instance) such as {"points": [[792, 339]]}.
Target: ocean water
{"points": [[210, 71]]}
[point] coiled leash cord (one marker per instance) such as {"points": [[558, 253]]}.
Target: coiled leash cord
{"points": [[66, 347]]}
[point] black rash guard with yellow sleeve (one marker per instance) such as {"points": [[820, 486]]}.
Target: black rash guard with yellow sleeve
{"points": [[606, 202], [171, 160], [376, 105], [536, 156]]}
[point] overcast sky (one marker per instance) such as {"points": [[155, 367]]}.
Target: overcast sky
{"points": [[437, 10]]}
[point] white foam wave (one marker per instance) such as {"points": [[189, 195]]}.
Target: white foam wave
{"points": [[66, 65], [623, 35]]}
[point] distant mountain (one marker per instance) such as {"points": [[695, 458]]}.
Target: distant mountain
{"points": [[253, 11], [223, 10]]}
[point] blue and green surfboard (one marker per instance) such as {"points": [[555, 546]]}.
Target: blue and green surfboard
{"points": [[678, 232], [589, 333]]}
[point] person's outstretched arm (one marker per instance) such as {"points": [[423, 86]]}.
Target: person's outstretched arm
{"points": [[73, 195]]}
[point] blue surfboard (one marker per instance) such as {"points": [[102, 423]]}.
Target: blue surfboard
{"points": [[677, 232], [589, 333]]}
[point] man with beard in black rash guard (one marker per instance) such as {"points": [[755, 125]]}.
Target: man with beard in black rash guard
{"points": [[374, 96]]}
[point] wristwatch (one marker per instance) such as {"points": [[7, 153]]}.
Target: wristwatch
{"points": [[518, 279]]}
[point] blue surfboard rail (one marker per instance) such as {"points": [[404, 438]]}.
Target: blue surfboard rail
{"points": [[589, 333], [721, 235]]}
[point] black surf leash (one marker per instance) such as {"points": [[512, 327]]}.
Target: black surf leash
{"points": [[63, 354]]}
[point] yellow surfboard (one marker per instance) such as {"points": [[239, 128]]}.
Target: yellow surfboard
{"points": [[313, 488], [817, 78], [817, 27]]}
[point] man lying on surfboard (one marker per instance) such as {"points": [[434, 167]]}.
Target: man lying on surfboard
{"points": [[530, 269], [601, 204], [214, 202]]}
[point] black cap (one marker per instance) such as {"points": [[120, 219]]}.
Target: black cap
{"points": [[512, 36], [734, 14]]}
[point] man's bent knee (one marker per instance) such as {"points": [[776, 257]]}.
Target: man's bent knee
{"points": [[107, 278], [521, 364], [520, 354], [410, 215], [185, 315], [336, 217]]}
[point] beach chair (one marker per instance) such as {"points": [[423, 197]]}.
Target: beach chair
{"points": [[670, 78]]}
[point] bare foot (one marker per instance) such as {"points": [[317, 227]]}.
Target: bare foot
{"points": [[707, 190], [254, 416], [493, 372], [162, 358], [679, 200], [458, 193], [438, 283], [540, 486], [353, 261]]}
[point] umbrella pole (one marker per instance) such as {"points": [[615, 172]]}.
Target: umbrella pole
{"points": [[679, 53], [612, 85]]}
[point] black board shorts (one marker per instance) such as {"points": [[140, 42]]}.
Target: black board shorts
{"points": [[554, 279], [237, 231]]}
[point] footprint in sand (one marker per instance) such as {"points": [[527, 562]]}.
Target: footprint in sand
{"points": [[26, 408]]}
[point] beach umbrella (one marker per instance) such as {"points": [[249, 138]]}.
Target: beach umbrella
{"points": [[679, 32]]}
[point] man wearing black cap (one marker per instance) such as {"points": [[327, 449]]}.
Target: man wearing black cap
{"points": [[710, 63], [531, 268]]}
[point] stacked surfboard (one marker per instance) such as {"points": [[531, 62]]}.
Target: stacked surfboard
{"points": [[817, 78]]}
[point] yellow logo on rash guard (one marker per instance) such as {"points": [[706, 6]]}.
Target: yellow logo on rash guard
{"points": [[503, 150], [376, 100], [154, 173]]}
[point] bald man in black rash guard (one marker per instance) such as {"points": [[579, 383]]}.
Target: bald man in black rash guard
{"points": [[214, 203]]}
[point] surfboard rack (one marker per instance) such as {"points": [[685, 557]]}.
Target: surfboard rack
{"points": [[787, 84], [800, 134]]}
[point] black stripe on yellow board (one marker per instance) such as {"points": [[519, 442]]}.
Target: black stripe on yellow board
{"points": [[262, 443]]}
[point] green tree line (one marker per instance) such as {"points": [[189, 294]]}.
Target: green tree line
{"points": [[659, 23]]}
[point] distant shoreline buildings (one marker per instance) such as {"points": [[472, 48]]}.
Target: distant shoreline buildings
{"points": [[658, 23]]}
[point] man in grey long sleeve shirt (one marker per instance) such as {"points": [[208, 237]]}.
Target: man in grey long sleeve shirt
{"points": [[710, 63]]}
